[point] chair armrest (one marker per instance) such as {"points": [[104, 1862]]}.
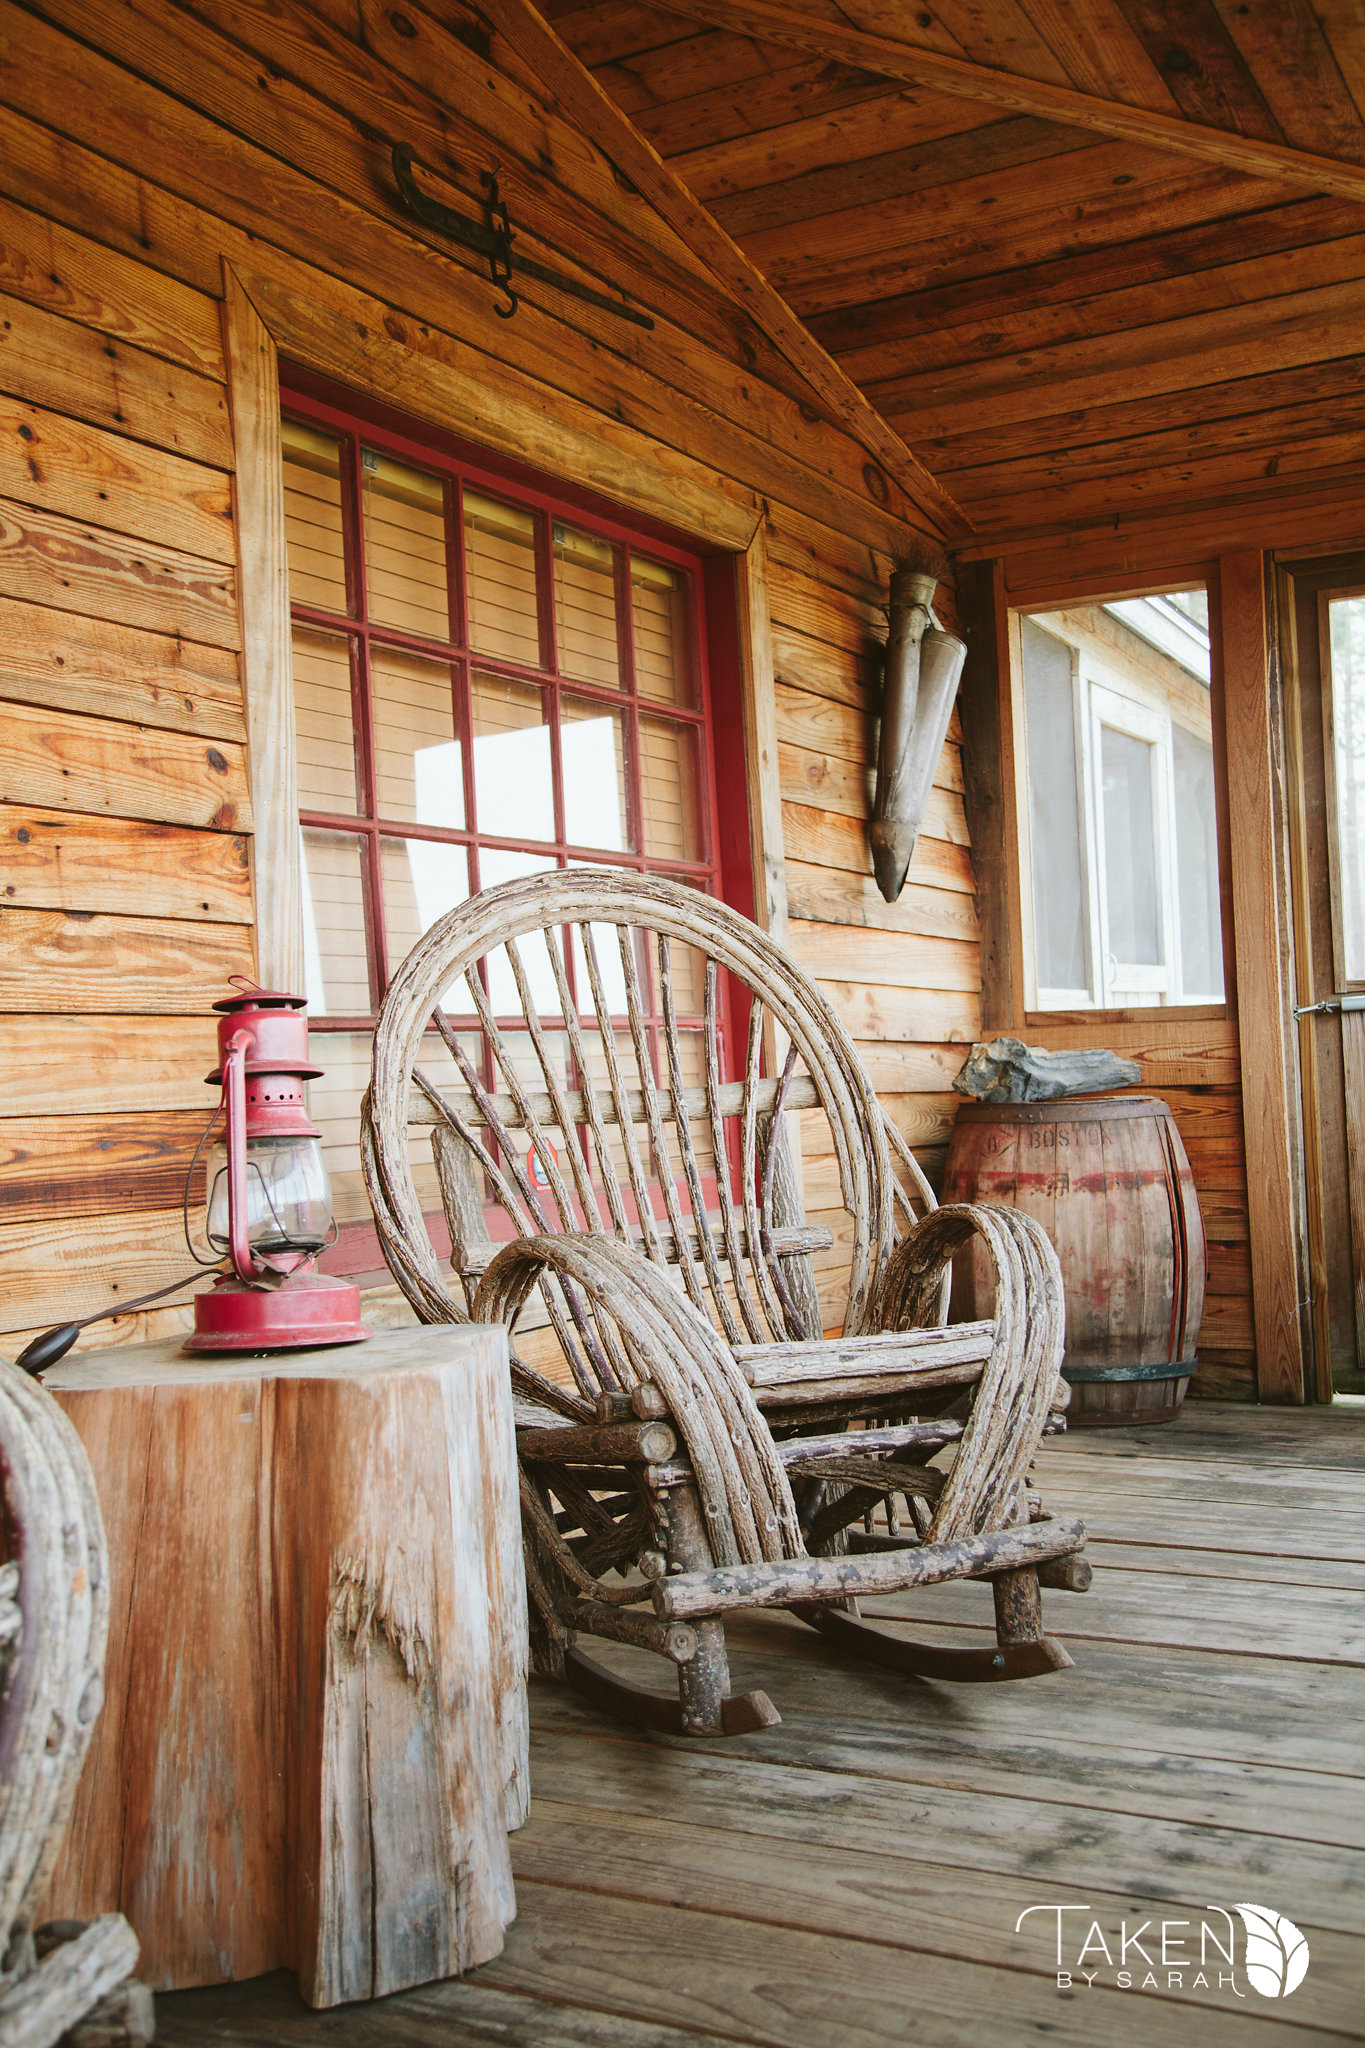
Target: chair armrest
{"points": [[1017, 1388], [638, 1325]]}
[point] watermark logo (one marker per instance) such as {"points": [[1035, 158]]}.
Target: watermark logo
{"points": [[1177, 1955], [1277, 1954]]}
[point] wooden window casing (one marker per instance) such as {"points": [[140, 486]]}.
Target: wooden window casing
{"points": [[1000, 821], [385, 622]]}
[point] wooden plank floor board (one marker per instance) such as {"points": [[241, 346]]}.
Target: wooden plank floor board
{"points": [[921, 1907], [1068, 1769], [1315, 1623], [856, 1874]]}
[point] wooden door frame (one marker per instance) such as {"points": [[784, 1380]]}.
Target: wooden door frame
{"points": [[1335, 1222], [1255, 886]]}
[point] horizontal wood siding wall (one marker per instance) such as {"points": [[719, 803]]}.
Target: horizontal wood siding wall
{"points": [[142, 146]]}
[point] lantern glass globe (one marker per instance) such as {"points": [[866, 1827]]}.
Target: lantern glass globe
{"points": [[289, 1197]]}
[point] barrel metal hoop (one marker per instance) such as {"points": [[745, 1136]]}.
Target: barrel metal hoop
{"points": [[1086, 1375]]}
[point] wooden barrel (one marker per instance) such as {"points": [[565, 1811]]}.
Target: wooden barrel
{"points": [[1108, 1179]]}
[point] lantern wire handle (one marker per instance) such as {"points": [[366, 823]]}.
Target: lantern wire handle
{"points": [[198, 1257]]}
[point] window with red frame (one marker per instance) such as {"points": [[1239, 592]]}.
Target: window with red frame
{"points": [[487, 683]]}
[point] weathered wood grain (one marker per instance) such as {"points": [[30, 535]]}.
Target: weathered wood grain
{"points": [[97, 765], [1258, 885], [352, 1820], [60, 860], [93, 1166], [71, 1065], [64, 465], [70, 368], [49, 266], [70, 663], [60, 1269], [46, 559], [828, 839], [263, 595], [81, 961]]}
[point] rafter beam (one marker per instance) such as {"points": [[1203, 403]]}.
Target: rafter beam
{"points": [[580, 96], [962, 79]]}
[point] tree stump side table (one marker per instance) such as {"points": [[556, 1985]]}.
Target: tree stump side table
{"points": [[314, 1734]]}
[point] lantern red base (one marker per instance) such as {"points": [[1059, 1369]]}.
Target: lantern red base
{"points": [[306, 1310]]}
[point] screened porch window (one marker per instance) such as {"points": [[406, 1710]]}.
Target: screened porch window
{"points": [[487, 685], [1119, 833]]}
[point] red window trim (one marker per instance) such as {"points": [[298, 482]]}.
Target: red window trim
{"points": [[726, 868]]}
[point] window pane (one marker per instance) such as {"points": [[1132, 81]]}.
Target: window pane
{"points": [[1059, 907], [312, 517], [335, 973], [585, 606], [1131, 887], [1196, 838], [334, 1105], [663, 655], [1347, 620], [513, 789], [405, 547], [422, 881], [500, 865], [500, 580], [418, 767], [592, 749], [322, 713], [669, 790]]}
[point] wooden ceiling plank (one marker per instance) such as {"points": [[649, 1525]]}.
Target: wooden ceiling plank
{"points": [[1093, 194], [1171, 356], [800, 90], [1257, 433], [1340, 20], [1335, 382], [1298, 74], [1209, 78], [1255, 155], [993, 243], [693, 64], [819, 142], [1114, 267], [895, 174], [1101, 53], [1006, 333], [1001, 34], [1297, 453], [600, 34], [585, 102]]}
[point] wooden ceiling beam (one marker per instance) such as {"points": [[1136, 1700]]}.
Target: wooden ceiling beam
{"points": [[958, 76], [592, 109]]}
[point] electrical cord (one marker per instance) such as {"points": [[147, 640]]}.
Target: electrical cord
{"points": [[55, 1343]]}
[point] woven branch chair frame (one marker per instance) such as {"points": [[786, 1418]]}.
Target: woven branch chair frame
{"points": [[672, 1301]]}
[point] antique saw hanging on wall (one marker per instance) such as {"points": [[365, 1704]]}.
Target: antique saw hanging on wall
{"points": [[493, 237]]}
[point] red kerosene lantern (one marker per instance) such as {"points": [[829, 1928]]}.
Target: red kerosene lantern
{"points": [[270, 1202]]}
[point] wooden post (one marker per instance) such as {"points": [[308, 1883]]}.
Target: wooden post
{"points": [[315, 1730], [263, 598], [1259, 924], [988, 777]]}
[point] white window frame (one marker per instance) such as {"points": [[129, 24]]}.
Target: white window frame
{"points": [[1095, 704], [1118, 980]]}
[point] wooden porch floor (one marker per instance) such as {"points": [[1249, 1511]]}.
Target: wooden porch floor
{"points": [[856, 1874]]}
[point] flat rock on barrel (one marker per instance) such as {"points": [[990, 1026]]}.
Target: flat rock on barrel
{"points": [[1007, 1070]]}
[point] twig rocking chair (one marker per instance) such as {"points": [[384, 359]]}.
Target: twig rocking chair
{"points": [[703, 1458]]}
